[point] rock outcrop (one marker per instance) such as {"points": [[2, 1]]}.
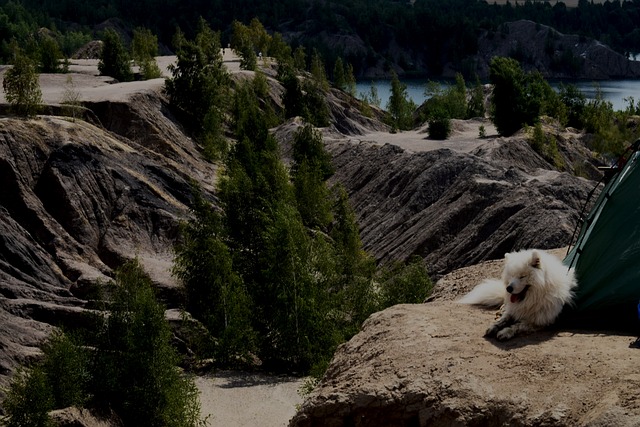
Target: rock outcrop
{"points": [[456, 208], [553, 54], [76, 201], [429, 365]]}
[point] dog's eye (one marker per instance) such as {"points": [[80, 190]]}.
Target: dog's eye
{"points": [[523, 277]]}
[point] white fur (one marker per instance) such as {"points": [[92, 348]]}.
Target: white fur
{"points": [[549, 286]]}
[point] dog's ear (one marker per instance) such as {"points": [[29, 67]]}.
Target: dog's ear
{"points": [[506, 255], [535, 259]]}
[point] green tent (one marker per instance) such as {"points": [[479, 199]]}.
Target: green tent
{"points": [[606, 255]]}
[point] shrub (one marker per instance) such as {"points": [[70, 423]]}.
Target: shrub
{"points": [[29, 400], [546, 146], [215, 293], [439, 125], [21, 86], [71, 105], [404, 283], [50, 56], [114, 59], [144, 49], [66, 365]]}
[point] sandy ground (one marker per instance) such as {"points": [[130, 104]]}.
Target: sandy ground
{"points": [[465, 137], [238, 399], [91, 86]]}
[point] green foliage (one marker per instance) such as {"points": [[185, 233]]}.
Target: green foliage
{"points": [[439, 33], [144, 49], [350, 80], [135, 371], [58, 381], [546, 146], [215, 293], [280, 50], [29, 400], [50, 56], [308, 146], [66, 366], [372, 97], [343, 77], [439, 125], [197, 89], [114, 59], [71, 41], [339, 79], [242, 42], [575, 102], [400, 108], [354, 268], [318, 71], [443, 105], [519, 98], [475, 106], [311, 168], [404, 283], [300, 59], [482, 132], [305, 99], [21, 86], [610, 129]]}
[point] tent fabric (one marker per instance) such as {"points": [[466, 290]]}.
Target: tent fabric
{"points": [[606, 256]]}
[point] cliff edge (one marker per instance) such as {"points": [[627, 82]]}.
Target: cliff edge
{"points": [[429, 365]]}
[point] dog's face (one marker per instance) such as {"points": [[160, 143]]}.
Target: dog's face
{"points": [[520, 272]]}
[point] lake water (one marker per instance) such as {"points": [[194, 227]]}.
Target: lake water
{"points": [[614, 91]]}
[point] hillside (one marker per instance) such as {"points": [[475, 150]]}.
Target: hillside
{"points": [[80, 197]]}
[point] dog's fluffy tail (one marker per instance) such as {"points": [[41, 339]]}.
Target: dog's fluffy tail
{"points": [[490, 293]]}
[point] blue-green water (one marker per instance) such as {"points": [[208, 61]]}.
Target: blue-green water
{"points": [[614, 91]]}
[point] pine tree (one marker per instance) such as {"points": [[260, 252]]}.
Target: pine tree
{"points": [[318, 71], [350, 80], [198, 86], [398, 106], [311, 168], [339, 79], [114, 59], [50, 56], [215, 293]]}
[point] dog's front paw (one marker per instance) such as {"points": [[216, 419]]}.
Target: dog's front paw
{"points": [[505, 334], [492, 331]]}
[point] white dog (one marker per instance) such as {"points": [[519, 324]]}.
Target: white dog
{"points": [[535, 286]]}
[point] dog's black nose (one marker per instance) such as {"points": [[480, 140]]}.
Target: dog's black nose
{"points": [[510, 289]]}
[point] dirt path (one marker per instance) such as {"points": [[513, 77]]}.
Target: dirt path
{"points": [[238, 399]]}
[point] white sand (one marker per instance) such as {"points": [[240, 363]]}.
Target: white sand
{"points": [[238, 399]]}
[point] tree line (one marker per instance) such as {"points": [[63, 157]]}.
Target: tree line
{"points": [[438, 31]]}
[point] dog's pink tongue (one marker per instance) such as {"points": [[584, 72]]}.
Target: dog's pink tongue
{"points": [[515, 298]]}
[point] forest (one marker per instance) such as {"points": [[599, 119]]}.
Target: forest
{"points": [[440, 31]]}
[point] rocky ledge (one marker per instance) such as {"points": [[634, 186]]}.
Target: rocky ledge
{"points": [[429, 365]]}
